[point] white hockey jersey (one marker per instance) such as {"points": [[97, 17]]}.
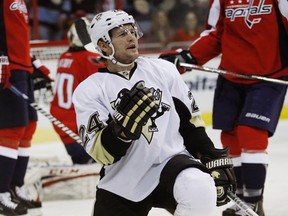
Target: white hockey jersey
{"points": [[136, 174]]}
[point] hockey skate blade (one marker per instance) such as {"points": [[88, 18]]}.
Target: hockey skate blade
{"points": [[35, 212]]}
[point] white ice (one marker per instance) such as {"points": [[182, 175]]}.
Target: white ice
{"points": [[275, 195]]}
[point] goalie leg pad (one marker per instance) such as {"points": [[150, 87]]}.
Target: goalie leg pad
{"points": [[195, 193]]}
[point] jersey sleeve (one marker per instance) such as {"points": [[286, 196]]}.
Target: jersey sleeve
{"points": [[283, 7], [192, 126], [208, 45], [93, 120], [88, 64]]}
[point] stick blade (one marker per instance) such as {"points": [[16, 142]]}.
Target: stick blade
{"points": [[81, 29], [84, 36]]}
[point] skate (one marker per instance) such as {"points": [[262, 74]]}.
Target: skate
{"points": [[19, 196], [10, 208]]}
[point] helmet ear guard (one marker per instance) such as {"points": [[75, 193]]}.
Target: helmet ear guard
{"points": [[104, 22]]}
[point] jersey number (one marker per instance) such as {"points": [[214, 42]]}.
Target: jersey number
{"points": [[64, 89]]}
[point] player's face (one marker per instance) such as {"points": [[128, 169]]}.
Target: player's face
{"points": [[125, 42]]}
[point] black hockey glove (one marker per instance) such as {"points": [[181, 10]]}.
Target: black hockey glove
{"points": [[178, 56], [221, 167], [134, 110]]}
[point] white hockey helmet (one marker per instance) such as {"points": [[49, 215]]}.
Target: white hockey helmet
{"points": [[72, 35], [103, 22]]}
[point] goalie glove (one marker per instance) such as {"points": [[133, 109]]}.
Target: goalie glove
{"points": [[134, 110], [221, 167], [178, 56], [42, 82], [5, 72], [41, 75]]}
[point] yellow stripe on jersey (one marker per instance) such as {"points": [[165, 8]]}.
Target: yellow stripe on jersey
{"points": [[197, 121], [99, 153]]}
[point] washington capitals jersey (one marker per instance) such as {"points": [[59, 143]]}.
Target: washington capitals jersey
{"points": [[73, 68], [135, 174], [252, 36], [15, 34]]}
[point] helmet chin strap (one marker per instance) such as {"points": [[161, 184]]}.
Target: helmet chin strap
{"points": [[114, 60]]}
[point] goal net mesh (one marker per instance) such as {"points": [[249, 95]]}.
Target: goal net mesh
{"points": [[48, 50]]}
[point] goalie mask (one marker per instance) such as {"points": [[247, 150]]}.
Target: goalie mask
{"points": [[73, 36], [101, 25]]}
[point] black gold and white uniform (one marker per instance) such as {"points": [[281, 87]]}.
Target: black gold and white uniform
{"points": [[132, 169]]}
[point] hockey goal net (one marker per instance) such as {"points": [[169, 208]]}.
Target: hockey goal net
{"points": [[49, 52], [54, 177]]}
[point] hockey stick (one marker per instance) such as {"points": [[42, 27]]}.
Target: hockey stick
{"points": [[84, 37], [46, 114], [242, 205], [81, 29], [240, 75]]}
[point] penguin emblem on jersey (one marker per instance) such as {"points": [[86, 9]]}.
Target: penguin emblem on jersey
{"points": [[151, 126], [194, 106]]}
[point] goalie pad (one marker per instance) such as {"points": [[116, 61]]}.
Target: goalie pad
{"points": [[62, 182]]}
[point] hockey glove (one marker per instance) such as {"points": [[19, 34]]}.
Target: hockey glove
{"points": [[178, 56], [42, 81], [134, 110], [221, 167], [5, 72]]}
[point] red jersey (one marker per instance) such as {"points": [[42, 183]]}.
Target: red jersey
{"points": [[15, 34], [251, 35], [73, 68]]}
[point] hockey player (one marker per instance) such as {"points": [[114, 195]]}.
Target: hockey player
{"points": [[252, 37], [138, 118], [17, 119], [74, 65]]}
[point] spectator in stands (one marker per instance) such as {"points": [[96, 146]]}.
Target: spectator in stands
{"points": [[161, 30], [177, 10], [142, 10], [104, 5], [74, 65], [53, 17], [190, 31], [83, 8], [201, 11]]}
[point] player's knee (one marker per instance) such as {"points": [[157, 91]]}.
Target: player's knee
{"points": [[29, 130], [229, 138], [195, 193], [10, 137], [251, 138]]}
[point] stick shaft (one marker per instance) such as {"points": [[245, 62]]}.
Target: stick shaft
{"points": [[224, 72], [242, 205], [51, 118]]}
